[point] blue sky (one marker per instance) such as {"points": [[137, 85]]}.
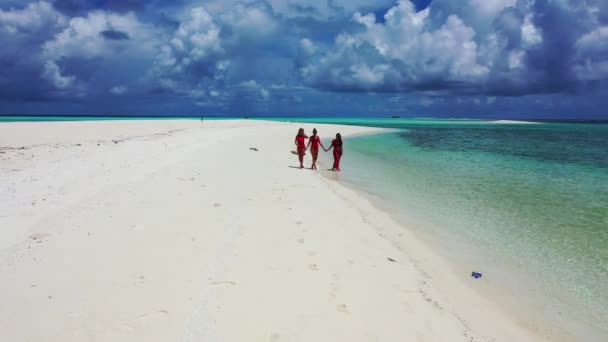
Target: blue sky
{"points": [[444, 58]]}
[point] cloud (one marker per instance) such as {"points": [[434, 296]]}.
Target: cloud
{"points": [[106, 47], [35, 18], [114, 35], [78, 7], [22, 32], [311, 56], [265, 94], [400, 54], [88, 36], [249, 84], [324, 9], [118, 90], [498, 47], [52, 73], [194, 51], [253, 21]]}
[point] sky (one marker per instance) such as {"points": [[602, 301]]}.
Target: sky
{"points": [[377, 58]]}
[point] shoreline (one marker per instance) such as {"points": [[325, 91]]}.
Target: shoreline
{"points": [[451, 270], [179, 256], [537, 305]]}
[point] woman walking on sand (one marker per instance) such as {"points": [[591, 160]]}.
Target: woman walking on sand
{"points": [[300, 142], [314, 143], [336, 144]]}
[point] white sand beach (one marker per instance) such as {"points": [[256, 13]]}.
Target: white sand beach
{"points": [[178, 231]]}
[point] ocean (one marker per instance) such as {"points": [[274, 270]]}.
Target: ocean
{"points": [[526, 204]]}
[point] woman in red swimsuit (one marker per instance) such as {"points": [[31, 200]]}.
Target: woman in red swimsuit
{"points": [[336, 144], [300, 142], [314, 143]]}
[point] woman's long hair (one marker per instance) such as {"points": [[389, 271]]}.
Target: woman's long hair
{"points": [[314, 132], [338, 139]]}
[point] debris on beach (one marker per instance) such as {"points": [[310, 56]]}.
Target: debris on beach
{"points": [[224, 283], [39, 237], [254, 149], [391, 260], [342, 308], [475, 275]]}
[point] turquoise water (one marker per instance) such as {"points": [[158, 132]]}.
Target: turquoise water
{"points": [[530, 198]]}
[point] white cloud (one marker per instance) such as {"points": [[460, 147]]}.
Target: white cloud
{"points": [[401, 52], [249, 84], [118, 90], [251, 21], [530, 33], [195, 47], [307, 46], [35, 17], [264, 94], [83, 36], [596, 40], [52, 73], [490, 7], [82, 39], [592, 50]]}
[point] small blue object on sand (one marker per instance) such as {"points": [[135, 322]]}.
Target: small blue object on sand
{"points": [[476, 275]]}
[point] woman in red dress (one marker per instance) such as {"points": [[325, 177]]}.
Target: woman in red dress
{"points": [[336, 144], [314, 143], [300, 142]]}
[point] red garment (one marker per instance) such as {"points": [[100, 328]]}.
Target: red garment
{"points": [[337, 146], [337, 157], [314, 142], [301, 140], [337, 153]]}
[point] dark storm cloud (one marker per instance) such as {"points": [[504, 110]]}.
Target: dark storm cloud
{"points": [[114, 35], [552, 61]]}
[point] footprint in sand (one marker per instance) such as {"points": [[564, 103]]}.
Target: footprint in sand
{"points": [[342, 308], [217, 205], [301, 240], [313, 267], [39, 237]]}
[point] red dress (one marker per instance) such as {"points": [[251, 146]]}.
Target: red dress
{"points": [[314, 142], [301, 140], [337, 153]]}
